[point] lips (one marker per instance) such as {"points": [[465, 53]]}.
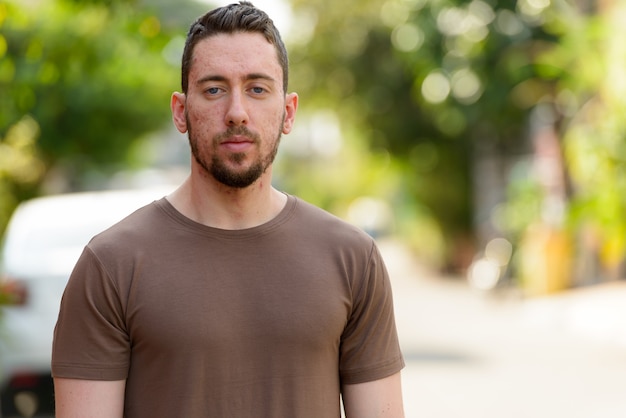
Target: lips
{"points": [[237, 144]]}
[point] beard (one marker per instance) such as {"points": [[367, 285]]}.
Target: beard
{"points": [[220, 170]]}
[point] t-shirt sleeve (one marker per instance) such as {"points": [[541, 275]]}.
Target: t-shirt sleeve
{"points": [[90, 337], [370, 348]]}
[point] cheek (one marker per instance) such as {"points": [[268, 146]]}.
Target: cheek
{"points": [[201, 120]]}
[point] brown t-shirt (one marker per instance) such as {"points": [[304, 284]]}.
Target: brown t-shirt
{"points": [[203, 322]]}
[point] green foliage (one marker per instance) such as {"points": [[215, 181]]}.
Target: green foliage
{"points": [[20, 165], [93, 76], [432, 83], [595, 132]]}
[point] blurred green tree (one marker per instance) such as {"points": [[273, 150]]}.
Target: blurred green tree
{"points": [[92, 76], [82, 81], [432, 83], [593, 58]]}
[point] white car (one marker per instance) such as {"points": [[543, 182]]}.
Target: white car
{"points": [[43, 241]]}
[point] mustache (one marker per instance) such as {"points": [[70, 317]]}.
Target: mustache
{"points": [[239, 130]]}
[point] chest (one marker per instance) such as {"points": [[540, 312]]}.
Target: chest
{"points": [[213, 301]]}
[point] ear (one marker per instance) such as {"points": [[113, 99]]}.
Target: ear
{"points": [[291, 106], [177, 104]]}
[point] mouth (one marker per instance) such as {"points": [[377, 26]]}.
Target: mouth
{"points": [[237, 143]]}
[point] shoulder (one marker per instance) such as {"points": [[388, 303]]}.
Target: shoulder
{"points": [[141, 225], [315, 225], [118, 250], [314, 217]]}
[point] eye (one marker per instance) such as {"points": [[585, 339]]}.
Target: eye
{"points": [[257, 90], [212, 91]]}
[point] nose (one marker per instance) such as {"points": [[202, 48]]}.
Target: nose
{"points": [[236, 113]]}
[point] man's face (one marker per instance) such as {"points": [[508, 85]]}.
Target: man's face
{"points": [[235, 109]]}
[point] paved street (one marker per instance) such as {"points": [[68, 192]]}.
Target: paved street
{"points": [[474, 355]]}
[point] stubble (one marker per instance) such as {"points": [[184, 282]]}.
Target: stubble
{"points": [[221, 169]]}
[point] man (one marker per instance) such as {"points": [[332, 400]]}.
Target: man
{"points": [[228, 298]]}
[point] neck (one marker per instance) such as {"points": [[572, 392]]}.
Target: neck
{"points": [[208, 202]]}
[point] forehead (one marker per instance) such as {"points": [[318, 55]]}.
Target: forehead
{"points": [[232, 55]]}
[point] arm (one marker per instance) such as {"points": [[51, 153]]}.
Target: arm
{"points": [[377, 399], [75, 398]]}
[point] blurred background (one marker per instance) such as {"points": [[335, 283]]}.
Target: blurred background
{"points": [[483, 143]]}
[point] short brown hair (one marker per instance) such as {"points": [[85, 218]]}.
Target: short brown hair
{"points": [[236, 17]]}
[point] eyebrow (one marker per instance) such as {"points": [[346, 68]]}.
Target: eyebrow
{"points": [[248, 77]]}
